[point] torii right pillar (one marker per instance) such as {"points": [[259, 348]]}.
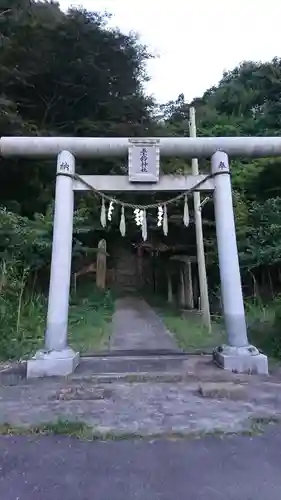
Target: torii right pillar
{"points": [[238, 355]]}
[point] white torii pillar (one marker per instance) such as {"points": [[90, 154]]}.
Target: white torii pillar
{"points": [[238, 356], [57, 358]]}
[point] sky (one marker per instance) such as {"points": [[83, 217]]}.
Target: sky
{"points": [[194, 41]]}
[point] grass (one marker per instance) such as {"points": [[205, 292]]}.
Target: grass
{"points": [[24, 333], [256, 310], [59, 428], [77, 429], [90, 320], [190, 333], [23, 318], [83, 431], [264, 327], [187, 328]]}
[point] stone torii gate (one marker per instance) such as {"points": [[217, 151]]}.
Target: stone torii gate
{"points": [[57, 358]]}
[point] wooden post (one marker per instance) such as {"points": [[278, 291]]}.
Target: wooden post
{"points": [[188, 286], [101, 265], [196, 295], [202, 273], [182, 288], [170, 288], [140, 265]]}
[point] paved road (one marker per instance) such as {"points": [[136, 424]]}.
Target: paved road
{"points": [[49, 468]]}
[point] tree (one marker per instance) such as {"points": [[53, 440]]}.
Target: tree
{"points": [[65, 74], [245, 102]]}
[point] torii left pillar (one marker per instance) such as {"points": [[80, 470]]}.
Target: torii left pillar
{"points": [[57, 358]]}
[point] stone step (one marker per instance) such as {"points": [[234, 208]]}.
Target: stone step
{"points": [[131, 365], [142, 353], [134, 377]]}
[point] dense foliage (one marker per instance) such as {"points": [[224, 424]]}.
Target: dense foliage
{"points": [[245, 102], [69, 74]]}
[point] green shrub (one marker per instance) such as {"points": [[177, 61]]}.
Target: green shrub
{"points": [[265, 330], [21, 313]]}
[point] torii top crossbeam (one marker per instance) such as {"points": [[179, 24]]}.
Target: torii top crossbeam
{"points": [[90, 147]]}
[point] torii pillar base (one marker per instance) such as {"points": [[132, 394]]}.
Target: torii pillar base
{"points": [[53, 363], [246, 359]]}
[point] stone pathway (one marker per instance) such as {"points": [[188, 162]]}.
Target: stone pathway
{"points": [[136, 327]]}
